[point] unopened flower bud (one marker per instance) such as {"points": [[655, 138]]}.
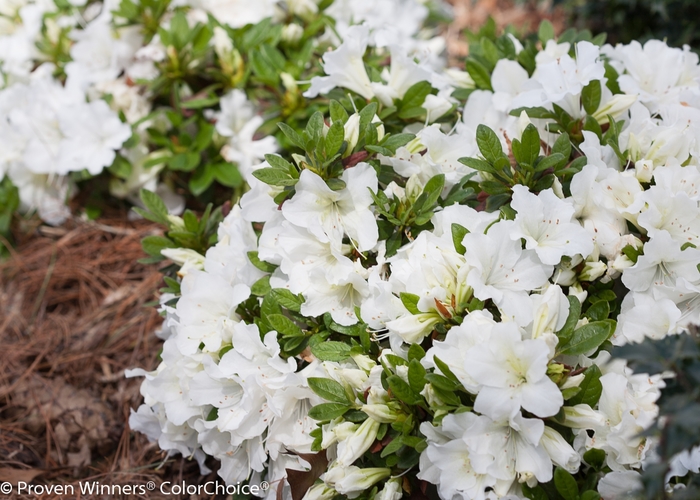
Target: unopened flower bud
{"points": [[614, 107], [643, 170], [292, 33], [391, 491], [319, 492], [355, 446], [352, 132], [380, 412], [592, 271]]}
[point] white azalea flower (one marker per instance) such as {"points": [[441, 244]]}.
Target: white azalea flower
{"points": [[501, 270], [544, 222], [511, 373], [345, 67], [329, 214]]}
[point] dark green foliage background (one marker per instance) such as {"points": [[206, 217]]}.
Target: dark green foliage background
{"points": [[627, 20]]}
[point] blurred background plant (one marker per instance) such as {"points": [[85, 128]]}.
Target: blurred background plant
{"points": [[675, 21]]}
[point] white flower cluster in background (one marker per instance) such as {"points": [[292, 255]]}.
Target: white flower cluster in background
{"points": [[468, 362], [66, 119]]}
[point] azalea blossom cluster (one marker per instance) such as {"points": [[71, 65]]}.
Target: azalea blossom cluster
{"points": [[96, 88], [401, 306]]}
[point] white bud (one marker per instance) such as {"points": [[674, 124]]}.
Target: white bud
{"points": [[354, 480], [223, 45], [614, 107], [576, 290], [292, 33], [582, 417], [644, 170], [353, 447], [176, 221], [414, 187], [288, 81], [593, 270], [380, 412], [574, 381], [363, 362], [380, 127], [337, 430], [319, 492], [413, 327], [186, 258], [352, 132], [561, 452], [391, 491]]}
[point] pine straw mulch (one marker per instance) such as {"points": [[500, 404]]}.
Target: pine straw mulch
{"points": [[73, 317]]}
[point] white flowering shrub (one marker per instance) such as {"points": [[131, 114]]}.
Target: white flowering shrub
{"points": [[426, 307], [176, 97]]}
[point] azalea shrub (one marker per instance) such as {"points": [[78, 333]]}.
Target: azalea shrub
{"points": [[101, 99], [421, 295]]}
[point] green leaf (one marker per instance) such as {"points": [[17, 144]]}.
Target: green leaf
{"points": [[155, 205], [590, 96], [201, 180], [274, 177], [152, 245], [394, 445], [292, 135], [227, 174], [416, 375], [328, 411], [284, 326], [334, 138], [528, 148], [489, 143], [479, 73], [395, 141], [204, 102], [415, 352], [329, 389], [260, 264], [598, 311], [534, 112], [338, 113], [286, 299], [402, 390], [536, 493], [591, 388], [562, 146], [120, 167], [415, 95], [410, 302], [565, 484], [331, 351], [587, 338], [430, 195], [552, 161], [442, 366], [571, 319], [261, 287], [441, 382], [458, 234], [185, 162], [477, 164], [595, 458], [546, 32], [591, 494]]}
